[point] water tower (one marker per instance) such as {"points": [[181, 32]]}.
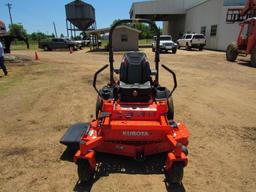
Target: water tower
{"points": [[80, 16]]}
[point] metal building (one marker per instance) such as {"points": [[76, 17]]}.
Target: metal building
{"points": [[199, 16], [126, 39]]}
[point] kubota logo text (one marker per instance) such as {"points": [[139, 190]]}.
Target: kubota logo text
{"points": [[136, 133]]}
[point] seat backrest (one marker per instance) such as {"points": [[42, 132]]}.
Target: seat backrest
{"points": [[135, 68]]}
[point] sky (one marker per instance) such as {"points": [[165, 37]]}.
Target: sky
{"points": [[39, 15]]}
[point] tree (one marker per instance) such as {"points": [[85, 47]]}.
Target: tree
{"points": [[114, 22], [17, 30], [146, 31], [84, 35], [77, 38], [37, 36], [61, 35]]}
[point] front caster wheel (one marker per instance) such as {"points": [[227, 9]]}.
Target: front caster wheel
{"points": [[84, 171], [175, 175]]}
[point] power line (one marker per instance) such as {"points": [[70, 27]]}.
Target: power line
{"points": [[9, 5], [54, 26]]}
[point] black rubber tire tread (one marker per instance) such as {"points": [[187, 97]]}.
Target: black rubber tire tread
{"points": [[174, 51], [253, 57], [232, 52], [170, 113], [98, 106], [83, 170], [175, 176]]}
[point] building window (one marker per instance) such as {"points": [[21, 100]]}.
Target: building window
{"points": [[203, 30], [124, 38], [213, 30]]}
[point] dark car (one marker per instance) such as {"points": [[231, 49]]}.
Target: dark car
{"points": [[58, 43]]}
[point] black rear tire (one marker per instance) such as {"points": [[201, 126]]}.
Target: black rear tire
{"points": [[83, 170], [170, 113], [232, 52], [98, 105], [174, 50], [175, 176], [153, 49], [253, 57], [201, 48]]}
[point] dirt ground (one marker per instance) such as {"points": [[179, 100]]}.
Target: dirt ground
{"points": [[39, 100]]}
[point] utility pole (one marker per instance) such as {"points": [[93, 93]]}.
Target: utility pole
{"points": [[9, 5], [54, 26]]}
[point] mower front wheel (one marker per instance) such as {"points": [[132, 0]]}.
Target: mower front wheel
{"points": [[84, 172], [175, 175]]}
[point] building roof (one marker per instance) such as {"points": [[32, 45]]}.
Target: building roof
{"points": [[163, 7], [129, 28], [98, 31], [198, 4], [107, 30]]}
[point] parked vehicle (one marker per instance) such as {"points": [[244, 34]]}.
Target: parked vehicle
{"points": [[246, 40], [166, 44], [192, 41], [81, 43], [58, 43], [91, 40]]}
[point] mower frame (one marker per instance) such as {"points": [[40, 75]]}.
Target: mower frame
{"points": [[133, 129]]}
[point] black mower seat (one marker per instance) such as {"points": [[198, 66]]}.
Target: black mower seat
{"points": [[135, 68], [135, 76]]}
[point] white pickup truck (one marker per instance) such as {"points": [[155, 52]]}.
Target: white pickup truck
{"points": [[166, 44], [95, 42], [192, 41]]}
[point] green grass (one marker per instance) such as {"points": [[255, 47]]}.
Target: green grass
{"points": [[8, 82], [20, 45], [145, 41], [18, 75], [104, 43]]}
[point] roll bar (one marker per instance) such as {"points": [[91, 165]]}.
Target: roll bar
{"points": [[111, 54], [95, 78], [174, 79]]}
